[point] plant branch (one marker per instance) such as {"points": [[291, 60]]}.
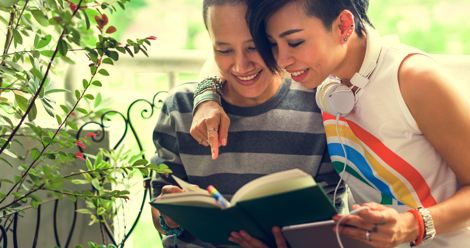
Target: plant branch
{"points": [[15, 201], [31, 106], [104, 169], [69, 50], [24, 91]]}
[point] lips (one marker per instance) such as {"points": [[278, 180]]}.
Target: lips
{"points": [[298, 76], [248, 80]]}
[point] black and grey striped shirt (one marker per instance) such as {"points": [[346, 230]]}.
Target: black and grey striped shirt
{"points": [[283, 133]]}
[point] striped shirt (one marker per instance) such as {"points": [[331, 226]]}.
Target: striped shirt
{"points": [[283, 133]]}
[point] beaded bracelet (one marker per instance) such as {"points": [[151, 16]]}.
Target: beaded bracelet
{"points": [[206, 96], [209, 82], [169, 230]]}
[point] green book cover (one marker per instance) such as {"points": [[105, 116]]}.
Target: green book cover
{"points": [[284, 199]]}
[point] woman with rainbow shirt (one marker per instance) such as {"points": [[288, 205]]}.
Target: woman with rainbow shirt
{"points": [[392, 108]]}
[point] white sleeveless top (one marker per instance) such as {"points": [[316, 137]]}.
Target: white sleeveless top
{"points": [[390, 161]]}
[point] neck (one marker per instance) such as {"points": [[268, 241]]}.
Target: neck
{"points": [[232, 96], [356, 51]]}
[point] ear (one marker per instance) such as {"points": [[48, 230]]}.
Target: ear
{"points": [[346, 25]]}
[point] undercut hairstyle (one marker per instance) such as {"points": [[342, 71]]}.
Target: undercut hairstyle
{"points": [[325, 10], [208, 3]]}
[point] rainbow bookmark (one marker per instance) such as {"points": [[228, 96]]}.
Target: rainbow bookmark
{"points": [[218, 196]]}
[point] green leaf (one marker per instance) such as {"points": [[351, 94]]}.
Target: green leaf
{"points": [[37, 73], [22, 102], [34, 204], [37, 198], [18, 179], [99, 159], [79, 181], [107, 61], [140, 162], [63, 133], [44, 41], [67, 60], [40, 18], [95, 182], [81, 110], [89, 96], [85, 83], [62, 47], [93, 70], [72, 125], [88, 164], [121, 5], [8, 120], [36, 53], [6, 161], [65, 109], [84, 211], [129, 51], [136, 48], [97, 83], [72, 197], [121, 49], [103, 72], [97, 100], [77, 94], [87, 20], [35, 153], [56, 91], [59, 120], [100, 211], [48, 107], [17, 36], [18, 142], [33, 113], [47, 53], [6, 4], [15, 66], [58, 195], [35, 179], [114, 55]]}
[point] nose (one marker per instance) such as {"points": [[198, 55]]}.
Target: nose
{"points": [[283, 57], [243, 64]]}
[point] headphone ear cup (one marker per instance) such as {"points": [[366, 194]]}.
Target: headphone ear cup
{"points": [[335, 98]]}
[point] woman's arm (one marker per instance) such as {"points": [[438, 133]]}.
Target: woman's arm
{"points": [[441, 110], [209, 115]]}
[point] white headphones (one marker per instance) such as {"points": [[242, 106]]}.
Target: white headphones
{"points": [[335, 98]]}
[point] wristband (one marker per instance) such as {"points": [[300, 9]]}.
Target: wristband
{"points": [[169, 230], [210, 82], [206, 96], [419, 218]]}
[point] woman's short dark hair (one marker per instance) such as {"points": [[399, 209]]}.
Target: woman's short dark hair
{"points": [[325, 10], [207, 3]]}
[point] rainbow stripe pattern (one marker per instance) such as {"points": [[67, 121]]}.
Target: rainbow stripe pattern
{"points": [[379, 173]]}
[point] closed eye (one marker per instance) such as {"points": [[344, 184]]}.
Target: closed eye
{"points": [[295, 44], [224, 51]]}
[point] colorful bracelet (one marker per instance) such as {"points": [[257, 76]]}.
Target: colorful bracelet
{"points": [[169, 230], [211, 82], [206, 96], [419, 218]]}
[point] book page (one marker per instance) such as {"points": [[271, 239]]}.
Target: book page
{"points": [[190, 199], [274, 184]]}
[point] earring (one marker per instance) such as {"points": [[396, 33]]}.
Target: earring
{"points": [[345, 39]]}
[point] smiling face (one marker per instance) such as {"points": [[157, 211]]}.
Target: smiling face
{"points": [[303, 46], [250, 83]]}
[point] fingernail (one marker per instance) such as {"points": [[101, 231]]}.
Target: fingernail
{"points": [[224, 142], [235, 235], [244, 234], [213, 155]]}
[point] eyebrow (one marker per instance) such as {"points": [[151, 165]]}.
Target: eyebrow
{"points": [[220, 43], [288, 32]]}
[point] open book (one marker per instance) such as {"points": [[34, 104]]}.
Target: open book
{"points": [[279, 199]]}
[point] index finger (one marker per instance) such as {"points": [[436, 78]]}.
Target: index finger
{"points": [[213, 138]]}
